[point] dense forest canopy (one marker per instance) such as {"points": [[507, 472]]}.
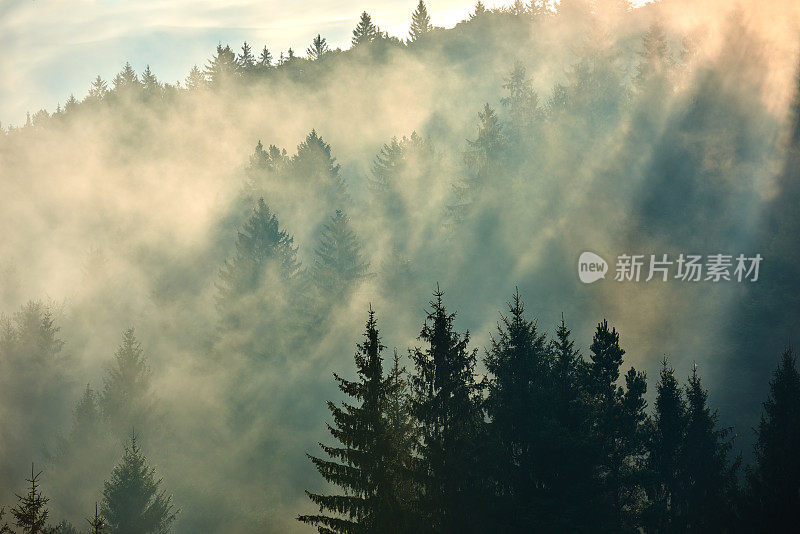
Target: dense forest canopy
{"points": [[184, 265]]}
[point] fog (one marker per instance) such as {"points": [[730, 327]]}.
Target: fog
{"points": [[121, 212]]}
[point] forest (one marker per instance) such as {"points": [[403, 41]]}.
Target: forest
{"points": [[336, 290]]}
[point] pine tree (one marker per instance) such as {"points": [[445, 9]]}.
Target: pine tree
{"points": [[339, 262], [420, 23], [446, 403], [518, 405], [313, 164], [127, 392], [403, 435], [483, 153], [360, 466], [365, 31], [317, 49], [31, 512], [222, 68], [246, 60], [126, 80], [96, 523], [151, 86], [98, 90], [774, 481], [133, 502], [521, 101], [709, 482], [265, 59], [669, 421], [480, 10], [196, 79]]}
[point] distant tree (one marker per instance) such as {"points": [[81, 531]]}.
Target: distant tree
{"points": [[96, 523], [265, 59], [420, 23], [365, 31], [70, 104], [31, 512], [339, 261], [774, 480], [709, 480], [315, 165], [222, 68], [522, 103], [480, 10], [518, 8], [446, 403], [518, 406], [246, 60], [127, 395], [126, 81], [484, 152], [98, 90], [133, 502], [657, 61], [152, 88], [318, 48], [196, 79], [361, 464], [666, 511]]}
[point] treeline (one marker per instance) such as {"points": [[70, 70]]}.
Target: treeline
{"points": [[546, 441]]}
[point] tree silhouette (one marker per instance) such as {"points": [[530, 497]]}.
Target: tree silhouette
{"points": [[318, 48], [31, 512], [365, 31], [420, 23]]}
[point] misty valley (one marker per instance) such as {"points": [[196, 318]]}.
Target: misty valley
{"points": [[348, 290]]}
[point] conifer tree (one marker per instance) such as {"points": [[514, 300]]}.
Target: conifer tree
{"points": [[709, 484], [265, 59], [480, 10], [196, 79], [96, 523], [31, 512], [446, 403], [222, 68], [339, 262], [4, 529], [126, 400], [360, 465], [365, 31], [313, 164], [133, 501], [98, 90], [484, 152], [150, 85], [246, 60], [518, 405], [666, 512], [126, 80], [521, 101], [774, 481], [420, 23], [318, 48]]}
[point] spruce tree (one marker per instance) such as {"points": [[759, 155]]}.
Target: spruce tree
{"points": [[126, 81], [518, 405], [246, 60], [774, 480], [446, 403], [98, 90], [151, 87], [133, 501], [265, 59], [522, 103], [127, 394], [709, 482], [365, 31], [222, 68], [196, 79], [314, 164], [666, 512], [420, 23], [96, 523], [31, 512], [318, 48], [360, 466], [339, 262], [482, 157]]}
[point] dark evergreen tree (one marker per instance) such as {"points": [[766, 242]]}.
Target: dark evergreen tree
{"points": [[133, 501], [518, 405], [96, 523], [339, 262], [360, 466], [318, 48], [31, 512], [447, 405], [151, 87], [222, 68], [265, 59], [709, 479], [480, 10], [774, 481], [666, 513], [482, 158], [365, 31], [126, 81], [313, 164], [420, 23]]}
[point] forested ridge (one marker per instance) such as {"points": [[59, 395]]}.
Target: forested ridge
{"points": [[179, 283]]}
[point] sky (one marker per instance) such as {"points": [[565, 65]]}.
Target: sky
{"points": [[54, 48]]}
